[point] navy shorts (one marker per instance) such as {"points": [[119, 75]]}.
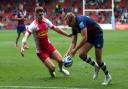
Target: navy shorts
{"points": [[97, 41], [21, 28]]}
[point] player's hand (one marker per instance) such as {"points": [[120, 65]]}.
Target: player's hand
{"points": [[23, 18], [22, 51], [66, 55], [69, 35]]}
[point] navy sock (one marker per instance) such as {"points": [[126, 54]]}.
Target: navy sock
{"points": [[104, 68], [89, 60]]}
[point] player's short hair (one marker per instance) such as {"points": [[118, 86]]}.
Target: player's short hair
{"points": [[70, 16], [39, 9]]}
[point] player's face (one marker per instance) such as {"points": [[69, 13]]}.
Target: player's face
{"points": [[20, 7], [39, 16]]}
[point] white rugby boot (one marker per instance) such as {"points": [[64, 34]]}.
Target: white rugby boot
{"points": [[53, 74], [107, 80], [64, 71]]}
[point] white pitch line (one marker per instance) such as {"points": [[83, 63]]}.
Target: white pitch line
{"points": [[39, 87]]}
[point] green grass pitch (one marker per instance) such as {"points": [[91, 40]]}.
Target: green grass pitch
{"points": [[28, 72]]}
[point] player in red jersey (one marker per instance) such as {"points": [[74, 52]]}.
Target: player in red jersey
{"points": [[45, 50]]}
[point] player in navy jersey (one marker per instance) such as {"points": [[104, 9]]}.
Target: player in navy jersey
{"points": [[20, 17], [91, 36]]}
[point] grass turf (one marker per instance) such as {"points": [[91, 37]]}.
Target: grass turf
{"points": [[29, 71]]}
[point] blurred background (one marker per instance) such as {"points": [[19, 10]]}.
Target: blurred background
{"points": [[17, 72], [100, 10]]}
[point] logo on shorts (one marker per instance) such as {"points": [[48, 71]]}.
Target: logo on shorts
{"points": [[98, 45]]}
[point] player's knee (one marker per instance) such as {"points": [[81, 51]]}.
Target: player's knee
{"points": [[82, 56]]}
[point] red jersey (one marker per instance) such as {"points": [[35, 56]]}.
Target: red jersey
{"points": [[40, 33]]}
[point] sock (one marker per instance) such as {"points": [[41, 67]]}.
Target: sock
{"points": [[60, 64], [53, 74], [104, 68], [89, 60]]}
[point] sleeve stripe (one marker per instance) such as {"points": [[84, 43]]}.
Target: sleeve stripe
{"points": [[29, 32], [53, 26]]}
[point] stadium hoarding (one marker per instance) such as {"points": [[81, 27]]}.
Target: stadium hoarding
{"points": [[117, 26], [105, 26], [1, 25], [7, 26], [121, 26]]}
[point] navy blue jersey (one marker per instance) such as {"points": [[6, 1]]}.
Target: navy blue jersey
{"points": [[21, 25], [94, 31], [21, 14], [85, 21]]}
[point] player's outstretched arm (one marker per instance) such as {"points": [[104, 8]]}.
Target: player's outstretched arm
{"points": [[82, 42], [83, 38], [24, 40], [62, 32], [72, 46]]}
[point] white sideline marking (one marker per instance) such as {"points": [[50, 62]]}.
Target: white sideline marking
{"points": [[39, 87]]}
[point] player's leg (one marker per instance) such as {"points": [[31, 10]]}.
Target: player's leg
{"points": [[99, 41], [51, 67], [48, 63], [102, 65], [17, 38], [20, 29], [25, 45], [83, 55], [57, 56]]}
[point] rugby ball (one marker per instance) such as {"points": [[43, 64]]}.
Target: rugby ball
{"points": [[68, 61]]}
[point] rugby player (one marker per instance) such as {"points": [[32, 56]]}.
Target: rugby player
{"points": [[44, 48], [20, 17], [91, 36]]}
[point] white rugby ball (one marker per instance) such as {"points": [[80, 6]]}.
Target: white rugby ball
{"points": [[68, 61]]}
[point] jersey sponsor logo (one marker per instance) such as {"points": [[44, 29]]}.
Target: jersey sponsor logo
{"points": [[88, 16], [81, 25], [42, 33]]}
